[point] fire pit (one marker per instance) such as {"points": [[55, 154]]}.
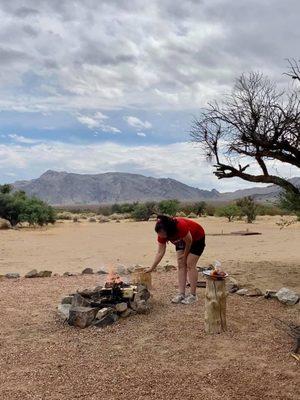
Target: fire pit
{"points": [[103, 306]]}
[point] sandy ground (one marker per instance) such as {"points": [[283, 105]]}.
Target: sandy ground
{"points": [[269, 261], [163, 355]]}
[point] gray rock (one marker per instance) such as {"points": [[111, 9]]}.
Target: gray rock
{"points": [[82, 317], [68, 274], [4, 224], [32, 274], [12, 275], [270, 294], [121, 307], [126, 313], [140, 306], [103, 312], [79, 301], [121, 270], [67, 300], [44, 274], [142, 294], [102, 272], [107, 320], [254, 292], [88, 271], [64, 310], [287, 296], [242, 292]]}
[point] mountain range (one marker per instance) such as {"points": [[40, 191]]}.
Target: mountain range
{"points": [[63, 188]]}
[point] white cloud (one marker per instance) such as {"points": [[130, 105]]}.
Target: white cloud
{"points": [[137, 123], [181, 161], [142, 134], [22, 139], [96, 122]]}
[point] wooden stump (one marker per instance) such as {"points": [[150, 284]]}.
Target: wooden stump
{"points": [[215, 306]]}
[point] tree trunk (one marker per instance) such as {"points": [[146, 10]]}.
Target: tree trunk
{"points": [[215, 306]]}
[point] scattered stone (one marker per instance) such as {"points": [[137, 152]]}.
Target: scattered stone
{"points": [[44, 274], [270, 294], [242, 292], [79, 301], [4, 224], [88, 271], [140, 306], [121, 270], [126, 313], [121, 307], [107, 320], [68, 274], [254, 292], [32, 274], [102, 272], [64, 310], [287, 296], [98, 289], [12, 275], [82, 317], [103, 312], [67, 300]]}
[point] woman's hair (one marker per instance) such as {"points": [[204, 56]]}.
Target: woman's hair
{"points": [[168, 224]]}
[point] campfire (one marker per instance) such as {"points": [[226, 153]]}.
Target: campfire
{"points": [[103, 306]]}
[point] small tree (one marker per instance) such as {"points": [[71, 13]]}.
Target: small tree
{"points": [[230, 211], [142, 212], [248, 208], [169, 207], [290, 201]]}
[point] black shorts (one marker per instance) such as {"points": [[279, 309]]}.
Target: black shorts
{"points": [[197, 247]]}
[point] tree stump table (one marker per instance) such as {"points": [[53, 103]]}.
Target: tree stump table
{"points": [[215, 306]]}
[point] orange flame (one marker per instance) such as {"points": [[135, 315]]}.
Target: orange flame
{"points": [[113, 277]]}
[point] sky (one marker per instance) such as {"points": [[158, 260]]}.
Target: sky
{"points": [[92, 86]]}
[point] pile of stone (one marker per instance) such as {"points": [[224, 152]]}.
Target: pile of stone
{"points": [[103, 306]]}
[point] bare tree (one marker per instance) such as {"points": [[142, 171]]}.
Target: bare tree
{"points": [[253, 124]]}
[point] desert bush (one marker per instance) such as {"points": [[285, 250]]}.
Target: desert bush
{"points": [[248, 208], [115, 217], [105, 210], [290, 201], [103, 218], [17, 207], [92, 219], [142, 212], [65, 215], [269, 209], [4, 224], [230, 211], [210, 210], [181, 214], [168, 207], [192, 215]]}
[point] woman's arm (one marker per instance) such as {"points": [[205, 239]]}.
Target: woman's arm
{"points": [[159, 256], [188, 243]]}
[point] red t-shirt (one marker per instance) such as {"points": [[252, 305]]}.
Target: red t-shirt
{"points": [[184, 226]]}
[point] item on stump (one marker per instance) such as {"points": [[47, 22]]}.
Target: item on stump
{"points": [[215, 301], [140, 276]]}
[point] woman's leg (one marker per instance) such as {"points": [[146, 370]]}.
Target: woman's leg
{"points": [[192, 271], [182, 271]]}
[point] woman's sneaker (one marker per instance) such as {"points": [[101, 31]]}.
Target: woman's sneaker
{"points": [[190, 299], [178, 298]]}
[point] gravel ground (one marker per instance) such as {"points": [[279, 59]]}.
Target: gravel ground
{"points": [[162, 355]]}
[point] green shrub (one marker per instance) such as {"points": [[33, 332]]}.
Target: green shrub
{"points": [[230, 211], [17, 207], [141, 212], [168, 207], [290, 201], [248, 208]]}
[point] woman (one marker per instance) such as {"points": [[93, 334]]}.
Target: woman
{"points": [[189, 239]]}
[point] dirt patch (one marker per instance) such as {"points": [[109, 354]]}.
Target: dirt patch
{"points": [[162, 355]]}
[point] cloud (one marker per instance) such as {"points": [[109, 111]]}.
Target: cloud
{"points": [[96, 121], [137, 123], [142, 134], [181, 161], [22, 139], [163, 56]]}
